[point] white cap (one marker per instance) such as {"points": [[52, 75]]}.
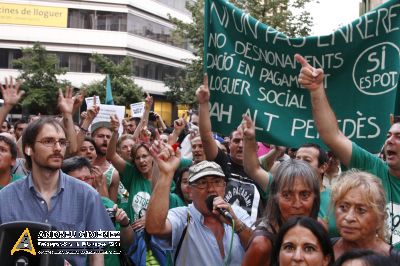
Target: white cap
{"points": [[204, 168]]}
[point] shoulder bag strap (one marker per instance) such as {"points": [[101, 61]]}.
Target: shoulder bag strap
{"points": [[182, 238]]}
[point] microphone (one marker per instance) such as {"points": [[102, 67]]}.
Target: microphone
{"points": [[223, 212]]}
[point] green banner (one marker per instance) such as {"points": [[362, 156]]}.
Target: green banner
{"points": [[251, 69]]}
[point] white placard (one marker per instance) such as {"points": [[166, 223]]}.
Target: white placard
{"points": [[89, 101], [137, 109], [106, 111]]}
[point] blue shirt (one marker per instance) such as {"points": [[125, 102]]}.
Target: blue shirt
{"points": [[75, 206], [200, 246]]}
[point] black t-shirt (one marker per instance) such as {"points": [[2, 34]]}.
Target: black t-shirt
{"points": [[240, 189]]}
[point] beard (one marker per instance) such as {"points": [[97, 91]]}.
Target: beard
{"points": [[99, 151], [47, 166]]}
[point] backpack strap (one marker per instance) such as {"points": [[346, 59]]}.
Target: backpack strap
{"points": [[182, 238]]}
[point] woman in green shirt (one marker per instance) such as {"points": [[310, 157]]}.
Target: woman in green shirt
{"points": [[137, 177]]}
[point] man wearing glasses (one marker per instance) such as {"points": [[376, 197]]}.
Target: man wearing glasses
{"points": [[199, 230], [48, 195]]}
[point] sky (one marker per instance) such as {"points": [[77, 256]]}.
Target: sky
{"points": [[329, 14]]}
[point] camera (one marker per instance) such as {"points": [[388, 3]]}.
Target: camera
{"points": [[152, 116], [111, 213]]}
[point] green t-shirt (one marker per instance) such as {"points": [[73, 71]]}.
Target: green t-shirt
{"points": [[139, 193], [107, 203], [326, 213], [366, 161], [14, 178], [184, 162], [110, 259]]}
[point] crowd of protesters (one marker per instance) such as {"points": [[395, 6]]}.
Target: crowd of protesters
{"points": [[183, 195]]}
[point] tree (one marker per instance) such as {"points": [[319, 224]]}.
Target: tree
{"points": [[124, 89], [38, 71], [179, 85], [276, 13]]}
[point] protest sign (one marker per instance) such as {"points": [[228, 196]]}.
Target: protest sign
{"points": [[251, 69], [89, 101], [106, 111], [137, 109]]}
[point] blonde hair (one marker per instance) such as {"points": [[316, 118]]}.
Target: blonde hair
{"points": [[373, 194]]}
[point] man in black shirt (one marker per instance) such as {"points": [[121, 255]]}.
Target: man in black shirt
{"points": [[240, 190]]}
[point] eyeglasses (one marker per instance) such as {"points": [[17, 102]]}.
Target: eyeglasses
{"points": [[51, 142], [203, 183]]}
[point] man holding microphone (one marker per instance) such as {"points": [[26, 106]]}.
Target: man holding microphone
{"points": [[207, 232]]}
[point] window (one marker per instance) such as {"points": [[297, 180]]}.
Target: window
{"points": [[4, 58], [75, 63], [86, 64], [63, 60], [116, 21], [164, 109], [111, 21], [81, 19], [79, 62], [7, 56], [154, 31], [100, 20], [152, 70]]}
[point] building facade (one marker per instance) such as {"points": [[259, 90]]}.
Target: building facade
{"points": [[367, 5], [74, 30]]}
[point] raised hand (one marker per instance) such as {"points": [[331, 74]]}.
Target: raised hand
{"points": [[78, 100], [203, 93], [309, 77], [66, 102], [249, 131], [148, 102], [10, 91], [93, 110], [166, 157], [124, 123], [145, 133], [157, 116], [179, 124], [83, 115], [99, 177], [114, 123]]}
